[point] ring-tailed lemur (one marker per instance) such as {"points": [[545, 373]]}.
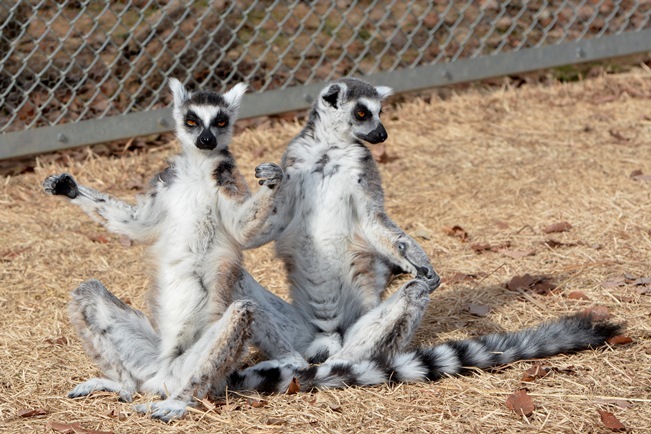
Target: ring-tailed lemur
{"points": [[198, 217], [340, 249]]}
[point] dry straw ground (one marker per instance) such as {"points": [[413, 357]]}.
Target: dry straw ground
{"points": [[502, 165]]}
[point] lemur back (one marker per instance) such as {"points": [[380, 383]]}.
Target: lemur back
{"points": [[340, 249], [198, 217]]}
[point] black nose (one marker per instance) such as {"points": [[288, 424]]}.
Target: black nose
{"points": [[378, 135], [429, 274], [206, 140]]}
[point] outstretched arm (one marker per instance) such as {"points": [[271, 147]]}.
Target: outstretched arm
{"points": [[139, 222]]}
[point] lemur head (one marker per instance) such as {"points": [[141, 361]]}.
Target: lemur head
{"points": [[204, 120], [351, 108]]}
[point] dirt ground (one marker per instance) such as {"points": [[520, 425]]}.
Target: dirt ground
{"points": [[501, 165]]}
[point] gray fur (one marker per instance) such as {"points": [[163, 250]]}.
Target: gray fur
{"points": [[198, 217]]}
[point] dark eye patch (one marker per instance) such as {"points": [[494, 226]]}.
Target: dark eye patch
{"points": [[362, 113], [191, 119], [220, 121]]}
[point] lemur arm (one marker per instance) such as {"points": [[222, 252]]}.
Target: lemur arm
{"points": [[247, 214], [140, 222], [386, 236]]}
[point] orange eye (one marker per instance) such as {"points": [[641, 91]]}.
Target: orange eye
{"points": [[190, 123], [361, 114], [221, 124]]}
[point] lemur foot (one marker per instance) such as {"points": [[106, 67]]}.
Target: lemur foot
{"points": [[429, 276], [165, 410], [417, 291], [61, 185], [271, 171], [125, 393]]}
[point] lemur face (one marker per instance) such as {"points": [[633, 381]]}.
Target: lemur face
{"points": [[356, 106], [204, 120]]}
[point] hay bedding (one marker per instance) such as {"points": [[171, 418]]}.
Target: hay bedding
{"points": [[501, 165]]}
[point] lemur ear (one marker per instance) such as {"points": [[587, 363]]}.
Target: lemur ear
{"points": [[331, 95], [384, 91], [179, 92], [234, 96]]}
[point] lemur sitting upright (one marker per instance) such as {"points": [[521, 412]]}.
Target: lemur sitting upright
{"points": [[340, 249], [198, 218]]}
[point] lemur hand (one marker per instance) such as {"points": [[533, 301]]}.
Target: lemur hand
{"points": [[270, 173], [418, 262], [61, 185]]}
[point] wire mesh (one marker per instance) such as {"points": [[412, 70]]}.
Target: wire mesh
{"points": [[65, 61]]}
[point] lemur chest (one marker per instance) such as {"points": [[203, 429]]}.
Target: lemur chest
{"points": [[192, 217]]}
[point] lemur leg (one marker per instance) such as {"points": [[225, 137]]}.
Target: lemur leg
{"points": [[210, 360], [279, 329], [136, 222], [388, 328], [118, 338]]}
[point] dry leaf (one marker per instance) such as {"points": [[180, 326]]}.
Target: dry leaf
{"points": [[457, 231], [642, 290], [621, 403], [501, 224], [557, 227], [520, 403], [536, 371], [610, 421], [294, 387], [552, 244], [73, 428], [542, 285], [32, 412], [257, 403], [642, 281], [479, 248], [99, 239], [478, 309], [460, 277], [614, 282], [517, 254], [638, 175], [597, 313], [61, 340], [577, 295], [125, 241], [620, 340], [521, 282], [618, 135]]}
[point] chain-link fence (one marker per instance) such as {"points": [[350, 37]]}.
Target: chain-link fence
{"points": [[69, 61]]}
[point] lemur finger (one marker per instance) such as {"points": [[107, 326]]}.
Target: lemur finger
{"points": [[268, 170], [61, 185]]}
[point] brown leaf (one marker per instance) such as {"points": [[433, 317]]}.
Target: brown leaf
{"points": [[614, 282], [610, 421], [257, 403], [597, 313], [621, 403], [460, 277], [457, 231], [478, 309], [517, 254], [618, 135], [294, 387], [521, 282], [643, 290], [552, 244], [61, 340], [125, 241], [642, 281], [73, 428], [577, 295], [638, 175], [479, 248], [620, 340], [501, 224], [536, 371], [557, 227], [520, 403], [99, 239], [32, 412]]}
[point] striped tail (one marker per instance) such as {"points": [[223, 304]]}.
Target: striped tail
{"points": [[564, 335]]}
